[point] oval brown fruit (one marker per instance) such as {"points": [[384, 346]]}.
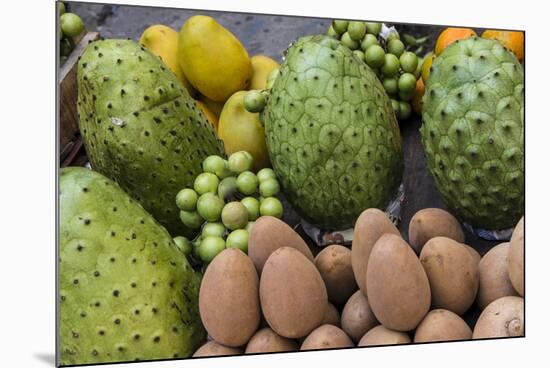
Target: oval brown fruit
{"points": [[453, 273], [269, 234], [326, 337], [357, 316], [494, 281], [442, 325], [332, 316], [516, 258], [228, 299], [267, 341], [292, 293], [501, 318], [381, 335], [474, 253], [212, 348], [398, 290], [431, 222], [369, 227], [334, 264]]}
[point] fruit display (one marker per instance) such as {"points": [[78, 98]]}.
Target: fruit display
{"points": [[70, 27], [396, 66], [225, 201], [473, 132], [325, 121], [240, 200], [410, 298], [141, 130]]}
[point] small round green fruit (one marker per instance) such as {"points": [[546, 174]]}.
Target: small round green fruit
{"points": [[210, 247], [271, 206], [186, 199], [238, 239], [71, 24], [234, 215], [247, 183], [209, 207]]}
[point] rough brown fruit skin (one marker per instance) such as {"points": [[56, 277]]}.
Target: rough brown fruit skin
{"points": [[228, 298], [357, 317], [474, 253], [292, 293], [516, 258], [268, 234], [494, 282], [442, 325], [331, 134], [212, 348], [334, 264], [267, 341], [501, 318], [326, 337], [398, 290], [370, 226], [381, 335], [453, 273], [431, 222], [332, 316]]}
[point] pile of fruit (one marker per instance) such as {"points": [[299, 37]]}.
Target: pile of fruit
{"points": [[397, 68], [189, 151], [225, 201], [70, 26], [280, 298]]}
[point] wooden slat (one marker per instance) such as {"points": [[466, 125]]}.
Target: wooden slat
{"points": [[68, 117]]}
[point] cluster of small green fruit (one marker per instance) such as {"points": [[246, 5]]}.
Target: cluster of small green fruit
{"points": [[396, 68], [71, 25], [226, 199]]}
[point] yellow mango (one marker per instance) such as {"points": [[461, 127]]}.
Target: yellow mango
{"points": [[261, 67], [241, 130], [212, 58], [210, 116], [214, 106], [162, 41]]}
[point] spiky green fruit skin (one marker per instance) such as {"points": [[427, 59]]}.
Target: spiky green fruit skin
{"points": [[140, 127], [473, 132], [126, 291], [331, 134]]}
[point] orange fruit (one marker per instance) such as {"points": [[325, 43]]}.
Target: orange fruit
{"points": [[210, 116], [416, 101], [514, 41], [426, 65], [451, 35]]}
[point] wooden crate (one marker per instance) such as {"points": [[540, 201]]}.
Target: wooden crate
{"points": [[70, 141]]}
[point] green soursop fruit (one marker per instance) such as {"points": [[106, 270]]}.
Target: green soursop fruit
{"points": [[126, 291], [331, 134], [473, 132], [140, 126]]}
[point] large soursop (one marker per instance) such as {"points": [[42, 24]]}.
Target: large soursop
{"points": [[331, 133], [140, 126], [127, 293], [473, 132]]}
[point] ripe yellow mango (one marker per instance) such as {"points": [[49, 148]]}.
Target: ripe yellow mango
{"points": [[261, 67], [162, 41], [210, 116], [212, 58], [214, 106], [241, 130]]}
